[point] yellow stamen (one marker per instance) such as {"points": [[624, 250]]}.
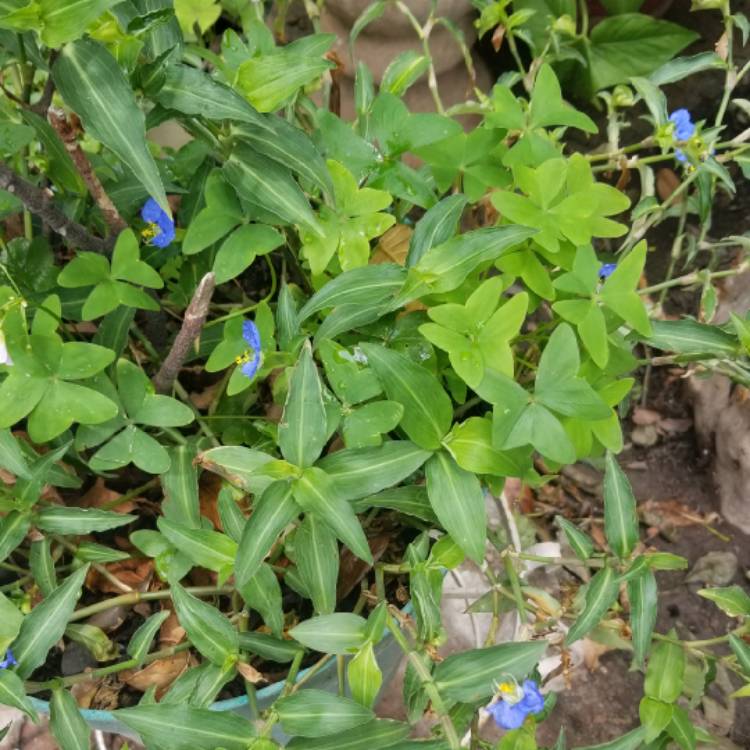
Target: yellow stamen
{"points": [[150, 231], [243, 358], [507, 687]]}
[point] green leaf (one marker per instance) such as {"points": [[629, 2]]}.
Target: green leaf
{"points": [[365, 471], [315, 492], [601, 593], [10, 622], [317, 555], [655, 717], [437, 226], [366, 287], [665, 672], [618, 292], [240, 249], [458, 501], [741, 651], [194, 92], [547, 108], [69, 521], [681, 729], [140, 643], [364, 676], [13, 693], [180, 485], [263, 594], [733, 600], [93, 86], [581, 544], [232, 518], [272, 512], [643, 595], [403, 71], [13, 530], [163, 411], [68, 726], [209, 226], [291, 147], [205, 547], [265, 183], [268, 647], [315, 713], [632, 740], [471, 675], [684, 67], [302, 430], [63, 22], [632, 44], [381, 733], [11, 456], [208, 630], [691, 338], [340, 633], [428, 411], [186, 726], [45, 625], [620, 515]]}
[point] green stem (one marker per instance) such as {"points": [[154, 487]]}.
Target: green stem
{"points": [[695, 277]]}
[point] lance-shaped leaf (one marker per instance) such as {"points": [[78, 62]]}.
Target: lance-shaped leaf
{"points": [[642, 593], [315, 492], [180, 485], [209, 631], [380, 733], [458, 501], [302, 430], [428, 411], [67, 521], [95, 88], [360, 472], [315, 713], [186, 726], [69, 727], [269, 647], [470, 676], [263, 594], [13, 693], [580, 543], [437, 226], [13, 530], [194, 92], [205, 547], [273, 511], [364, 676], [620, 516], [141, 641], [265, 183], [601, 593], [45, 625], [318, 561], [339, 633]]}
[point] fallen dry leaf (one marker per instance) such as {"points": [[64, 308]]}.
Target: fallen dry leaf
{"points": [[162, 673], [135, 573], [393, 245], [171, 632], [100, 496], [203, 399], [666, 183], [497, 37], [208, 495]]}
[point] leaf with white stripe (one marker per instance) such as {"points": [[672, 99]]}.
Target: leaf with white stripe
{"points": [[364, 471], [263, 594], [379, 733], [643, 594], [43, 627], [318, 561], [13, 693], [272, 512], [438, 225], [141, 641], [338, 633], [601, 593], [316, 713], [69, 727], [470, 676], [620, 516], [205, 547], [95, 88], [70, 521], [208, 630]]}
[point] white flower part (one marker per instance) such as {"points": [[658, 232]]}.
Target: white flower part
{"points": [[5, 358]]}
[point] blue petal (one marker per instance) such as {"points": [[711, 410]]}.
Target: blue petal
{"points": [[507, 716], [680, 155], [8, 661], [165, 236], [533, 700], [607, 270], [251, 334], [151, 211], [250, 368]]}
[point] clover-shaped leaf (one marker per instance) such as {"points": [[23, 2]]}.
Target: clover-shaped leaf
{"points": [[41, 380], [116, 283], [126, 441], [347, 229]]}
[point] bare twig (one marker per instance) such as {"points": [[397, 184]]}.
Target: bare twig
{"points": [[67, 130], [39, 202], [192, 323], [44, 102]]}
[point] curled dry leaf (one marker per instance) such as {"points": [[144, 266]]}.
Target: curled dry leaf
{"points": [[162, 673], [100, 496], [208, 494], [171, 632], [250, 673], [393, 245]]}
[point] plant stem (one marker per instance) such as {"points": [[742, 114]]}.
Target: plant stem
{"points": [[137, 596], [695, 277], [427, 682]]}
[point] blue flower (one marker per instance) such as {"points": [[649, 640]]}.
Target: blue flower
{"points": [[250, 358], [516, 703], [160, 229], [684, 130], [607, 270], [8, 661]]}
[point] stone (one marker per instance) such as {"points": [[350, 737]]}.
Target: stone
{"points": [[714, 568]]}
